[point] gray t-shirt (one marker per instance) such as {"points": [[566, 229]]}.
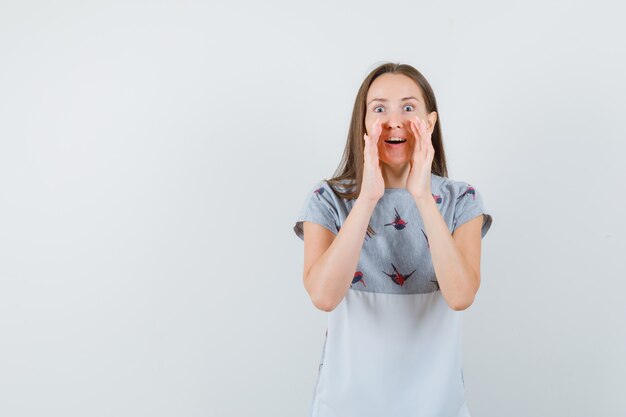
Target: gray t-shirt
{"points": [[393, 344]]}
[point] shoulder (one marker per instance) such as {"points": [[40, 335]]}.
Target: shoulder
{"points": [[321, 194], [322, 189], [450, 185], [445, 186], [468, 203], [329, 191], [453, 192]]}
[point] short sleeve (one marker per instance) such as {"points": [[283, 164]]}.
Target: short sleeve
{"points": [[318, 207], [469, 204]]}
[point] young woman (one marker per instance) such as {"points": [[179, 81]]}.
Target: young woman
{"points": [[392, 253]]}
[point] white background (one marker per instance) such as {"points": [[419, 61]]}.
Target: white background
{"points": [[154, 156]]}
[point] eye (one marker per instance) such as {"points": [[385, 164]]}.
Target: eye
{"points": [[410, 107], [377, 107]]}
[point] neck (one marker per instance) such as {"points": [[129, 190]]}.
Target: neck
{"points": [[395, 176]]}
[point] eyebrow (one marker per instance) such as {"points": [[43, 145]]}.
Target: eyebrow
{"points": [[384, 99]]}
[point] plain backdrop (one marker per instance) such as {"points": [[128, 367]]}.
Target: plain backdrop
{"points": [[154, 156]]}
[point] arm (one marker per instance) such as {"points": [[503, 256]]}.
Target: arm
{"points": [[456, 259], [329, 268]]}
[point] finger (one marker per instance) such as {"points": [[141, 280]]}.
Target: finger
{"points": [[423, 133], [375, 150], [428, 137], [371, 150], [377, 130], [420, 125], [417, 145], [414, 132], [376, 136], [424, 129]]}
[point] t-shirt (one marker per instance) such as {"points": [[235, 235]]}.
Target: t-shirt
{"points": [[393, 345]]}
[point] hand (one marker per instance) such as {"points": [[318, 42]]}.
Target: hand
{"points": [[373, 183], [418, 181]]}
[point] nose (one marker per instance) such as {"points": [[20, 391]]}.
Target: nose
{"points": [[394, 121]]}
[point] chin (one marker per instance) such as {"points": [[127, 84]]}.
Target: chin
{"points": [[396, 163]]}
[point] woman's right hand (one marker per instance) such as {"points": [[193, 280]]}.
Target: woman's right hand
{"points": [[373, 183]]}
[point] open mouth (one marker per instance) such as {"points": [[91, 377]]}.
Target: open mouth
{"points": [[395, 141]]}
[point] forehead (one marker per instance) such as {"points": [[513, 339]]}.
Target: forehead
{"points": [[393, 87]]}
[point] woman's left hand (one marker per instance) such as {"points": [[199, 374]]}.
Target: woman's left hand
{"points": [[418, 182]]}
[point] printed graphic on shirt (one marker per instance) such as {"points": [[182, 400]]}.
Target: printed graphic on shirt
{"points": [[425, 237], [469, 191], [397, 223], [358, 277], [318, 191], [397, 277], [395, 256]]}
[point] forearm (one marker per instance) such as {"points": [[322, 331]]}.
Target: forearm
{"points": [[332, 274], [457, 281]]}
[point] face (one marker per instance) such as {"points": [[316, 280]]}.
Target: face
{"points": [[396, 99]]}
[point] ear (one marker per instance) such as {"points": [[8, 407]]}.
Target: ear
{"points": [[432, 119]]}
